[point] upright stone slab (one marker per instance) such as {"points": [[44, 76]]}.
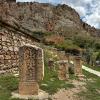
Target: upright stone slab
{"points": [[68, 57], [78, 66], [31, 69], [63, 70]]}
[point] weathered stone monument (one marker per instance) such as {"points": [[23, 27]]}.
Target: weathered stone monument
{"points": [[68, 57], [63, 70], [78, 66], [31, 69]]}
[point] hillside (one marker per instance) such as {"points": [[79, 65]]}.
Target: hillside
{"points": [[42, 17]]}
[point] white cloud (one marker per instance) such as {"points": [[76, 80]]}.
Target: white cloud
{"points": [[89, 9], [94, 18]]}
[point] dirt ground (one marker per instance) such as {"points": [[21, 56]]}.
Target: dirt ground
{"points": [[70, 94]]}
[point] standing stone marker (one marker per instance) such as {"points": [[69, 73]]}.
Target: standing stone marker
{"points": [[31, 69], [63, 70], [68, 57], [78, 66]]}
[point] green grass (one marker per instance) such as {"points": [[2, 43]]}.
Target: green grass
{"points": [[51, 82], [9, 82], [97, 68], [7, 85], [93, 86]]}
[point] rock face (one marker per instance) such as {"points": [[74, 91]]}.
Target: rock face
{"points": [[44, 17], [19, 20]]}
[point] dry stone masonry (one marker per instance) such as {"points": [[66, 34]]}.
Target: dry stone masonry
{"points": [[31, 69], [10, 41]]}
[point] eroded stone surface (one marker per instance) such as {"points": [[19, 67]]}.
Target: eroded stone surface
{"points": [[78, 66], [63, 73], [30, 69], [9, 46]]}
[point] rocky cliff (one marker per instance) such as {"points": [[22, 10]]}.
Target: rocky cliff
{"points": [[42, 17]]}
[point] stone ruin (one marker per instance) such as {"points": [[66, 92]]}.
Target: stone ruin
{"points": [[63, 73], [10, 42], [69, 64], [78, 66], [31, 69]]}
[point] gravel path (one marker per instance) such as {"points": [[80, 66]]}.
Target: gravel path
{"points": [[91, 70], [71, 93]]}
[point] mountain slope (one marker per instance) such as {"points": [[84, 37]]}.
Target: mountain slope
{"points": [[42, 17]]}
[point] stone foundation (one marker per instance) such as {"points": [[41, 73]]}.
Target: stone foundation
{"points": [[28, 88], [42, 95]]}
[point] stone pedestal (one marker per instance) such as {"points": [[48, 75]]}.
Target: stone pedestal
{"points": [[28, 88], [78, 66], [30, 69], [63, 70], [42, 95]]}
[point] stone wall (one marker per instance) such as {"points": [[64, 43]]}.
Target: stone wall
{"points": [[9, 45]]}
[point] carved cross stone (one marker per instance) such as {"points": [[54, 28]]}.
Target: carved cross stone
{"points": [[78, 66], [30, 69], [63, 70]]}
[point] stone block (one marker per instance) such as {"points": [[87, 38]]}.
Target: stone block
{"points": [[1, 47], [28, 88], [5, 48], [29, 69], [2, 52], [4, 38], [7, 62], [7, 56], [4, 43], [8, 44], [78, 66], [63, 73], [11, 48], [16, 48], [1, 59]]}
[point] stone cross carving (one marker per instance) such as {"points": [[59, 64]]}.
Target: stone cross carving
{"points": [[63, 70], [31, 69], [78, 66]]}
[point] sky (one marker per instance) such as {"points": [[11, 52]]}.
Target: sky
{"points": [[89, 10]]}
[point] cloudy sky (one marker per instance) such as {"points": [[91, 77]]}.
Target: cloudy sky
{"points": [[89, 10]]}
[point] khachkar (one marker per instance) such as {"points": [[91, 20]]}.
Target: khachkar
{"points": [[78, 66], [31, 69], [63, 70]]}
